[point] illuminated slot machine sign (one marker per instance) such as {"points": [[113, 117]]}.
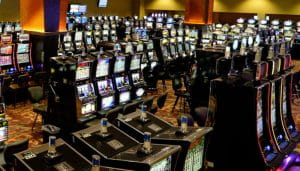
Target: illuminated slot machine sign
{"points": [[6, 55], [84, 91], [124, 97], [194, 158], [105, 86], [23, 53], [107, 102], [83, 71]]}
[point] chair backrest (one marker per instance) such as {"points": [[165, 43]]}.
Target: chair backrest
{"points": [[35, 94], [13, 148], [176, 83], [148, 102], [130, 108], [113, 114], [41, 77], [23, 81], [161, 100], [6, 83]]}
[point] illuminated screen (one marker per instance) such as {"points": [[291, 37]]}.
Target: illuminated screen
{"points": [[6, 50], [120, 81], [107, 102], [273, 105], [140, 92], [83, 71], [194, 158], [140, 48], [74, 8], [8, 28], [78, 36], [88, 108], [173, 51], [135, 77], [4, 132], [124, 97], [24, 37], [102, 3], [135, 63], [89, 41], [5, 60], [85, 90], [82, 8], [259, 115], [23, 48], [105, 32], [104, 85], [159, 25], [102, 68], [163, 165], [23, 58], [119, 64]]}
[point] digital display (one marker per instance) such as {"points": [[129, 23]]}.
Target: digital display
{"points": [[159, 25], [124, 97], [163, 165], [121, 81], [6, 50], [135, 63], [140, 92], [194, 158], [107, 102], [89, 41], [4, 132], [102, 68], [8, 28], [83, 71], [23, 37], [119, 64], [85, 90], [5, 60], [259, 115], [74, 8], [173, 51], [88, 108], [149, 46], [135, 77], [6, 38], [102, 3], [273, 105], [284, 99], [104, 86], [82, 8], [23, 48], [23, 58], [140, 47], [105, 32], [78, 36]]}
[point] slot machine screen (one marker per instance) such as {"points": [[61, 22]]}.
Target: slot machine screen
{"points": [[135, 63], [8, 28], [6, 50], [194, 158], [23, 58], [88, 108], [140, 92], [105, 32], [23, 37], [273, 105], [78, 36], [23, 48], [259, 115], [140, 48], [74, 8], [107, 102], [85, 90], [102, 3], [102, 68], [82, 8], [89, 41], [119, 81], [173, 51], [5, 60], [124, 97], [159, 25], [84, 20], [83, 71], [163, 165], [119, 64], [284, 99], [6, 38], [3, 132], [149, 46]]}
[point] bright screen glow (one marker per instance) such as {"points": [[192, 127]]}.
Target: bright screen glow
{"points": [[83, 72], [107, 102], [163, 165], [3, 133], [259, 115], [23, 48], [102, 3], [124, 97], [140, 92], [23, 58], [5, 60], [119, 64], [102, 68]]}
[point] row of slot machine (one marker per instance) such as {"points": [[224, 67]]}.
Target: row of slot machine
{"points": [[250, 103], [15, 54]]}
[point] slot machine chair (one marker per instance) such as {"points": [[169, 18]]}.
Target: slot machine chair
{"points": [[182, 95], [5, 88], [160, 102], [130, 108], [111, 116], [148, 102], [36, 94], [13, 148], [21, 86]]}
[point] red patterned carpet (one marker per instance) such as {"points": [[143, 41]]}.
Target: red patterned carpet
{"points": [[21, 118]]}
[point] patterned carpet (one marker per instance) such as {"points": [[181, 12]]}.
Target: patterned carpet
{"points": [[21, 118]]}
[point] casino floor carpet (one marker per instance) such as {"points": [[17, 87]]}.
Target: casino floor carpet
{"points": [[21, 118]]}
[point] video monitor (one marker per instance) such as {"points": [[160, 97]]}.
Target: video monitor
{"points": [[149, 46], [8, 28], [135, 62], [6, 50], [107, 102], [6, 38], [82, 8], [85, 90], [159, 25], [140, 47], [5, 60], [23, 58], [78, 36], [173, 50], [135, 77], [24, 37], [124, 97], [153, 65], [4, 132], [194, 158], [164, 165], [119, 64], [74, 8], [84, 20], [102, 3], [88, 108], [105, 32], [83, 71], [102, 68], [23, 48], [89, 41], [140, 92], [259, 115]]}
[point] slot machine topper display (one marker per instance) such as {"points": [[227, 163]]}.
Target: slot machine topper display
{"points": [[78, 42], [7, 57], [68, 45], [88, 39], [23, 53]]}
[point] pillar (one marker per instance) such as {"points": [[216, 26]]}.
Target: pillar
{"points": [[199, 11]]}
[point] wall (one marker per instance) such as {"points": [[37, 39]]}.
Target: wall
{"points": [[115, 7], [174, 5], [10, 10], [261, 7]]}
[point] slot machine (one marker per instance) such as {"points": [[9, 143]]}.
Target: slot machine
{"points": [[63, 157], [78, 42], [207, 39], [170, 23], [159, 23], [7, 58], [113, 33], [135, 73], [97, 34], [120, 77], [88, 39], [8, 28], [164, 45], [104, 83], [173, 44], [192, 142], [23, 53], [288, 31], [118, 149], [275, 24], [151, 55], [252, 140], [187, 41], [105, 32], [68, 45], [149, 23], [128, 30], [193, 40]]}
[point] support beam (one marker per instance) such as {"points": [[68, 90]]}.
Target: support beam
{"points": [[199, 11]]}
